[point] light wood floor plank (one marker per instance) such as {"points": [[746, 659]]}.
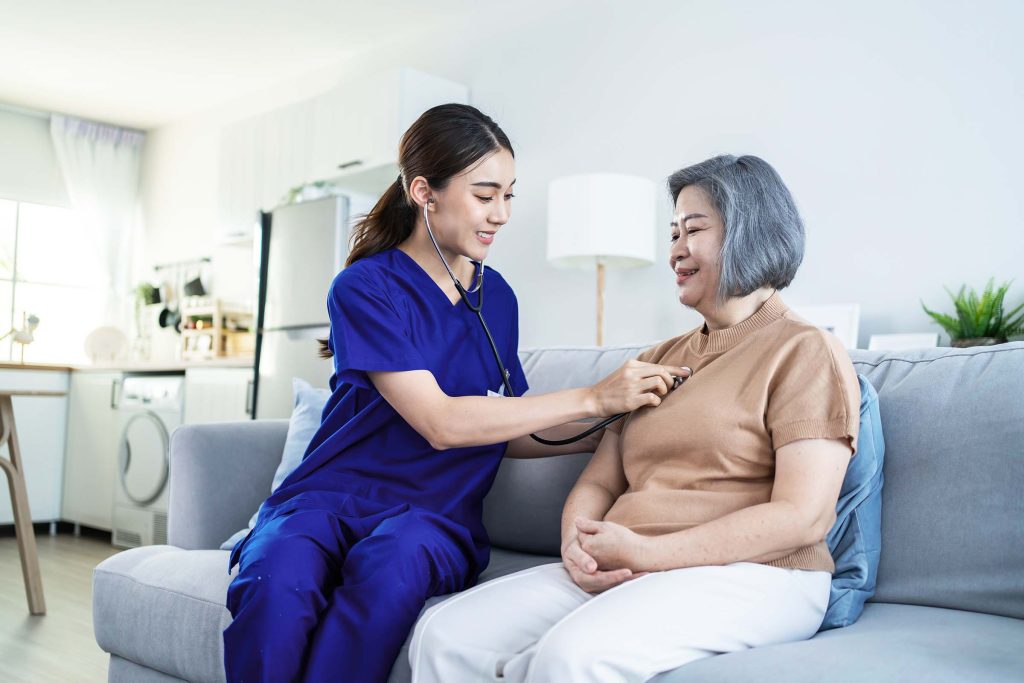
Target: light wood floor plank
{"points": [[60, 646]]}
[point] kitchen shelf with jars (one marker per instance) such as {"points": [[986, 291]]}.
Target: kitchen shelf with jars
{"points": [[213, 329]]}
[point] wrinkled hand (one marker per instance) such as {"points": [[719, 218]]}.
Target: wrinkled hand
{"points": [[634, 385], [584, 572], [611, 545]]}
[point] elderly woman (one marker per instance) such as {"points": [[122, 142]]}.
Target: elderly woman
{"points": [[698, 526]]}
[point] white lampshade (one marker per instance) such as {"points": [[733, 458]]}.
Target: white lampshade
{"points": [[601, 217]]}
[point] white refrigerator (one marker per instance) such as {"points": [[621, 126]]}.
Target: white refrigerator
{"points": [[303, 246]]}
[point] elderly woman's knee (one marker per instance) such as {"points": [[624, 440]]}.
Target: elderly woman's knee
{"points": [[443, 648], [575, 650], [439, 632]]}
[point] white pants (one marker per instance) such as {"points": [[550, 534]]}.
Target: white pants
{"points": [[537, 625]]}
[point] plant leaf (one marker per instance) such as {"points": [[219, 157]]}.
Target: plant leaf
{"points": [[950, 324], [964, 312], [984, 312], [996, 323], [1013, 323]]}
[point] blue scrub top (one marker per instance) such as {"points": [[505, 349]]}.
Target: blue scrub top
{"points": [[387, 314]]}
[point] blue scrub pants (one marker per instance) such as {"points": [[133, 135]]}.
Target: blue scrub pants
{"points": [[331, 595]]}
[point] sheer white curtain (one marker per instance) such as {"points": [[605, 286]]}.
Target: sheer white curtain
{"points": [[101, 165]]}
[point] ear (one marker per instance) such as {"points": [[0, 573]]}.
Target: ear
{"points": [[420, 191]]}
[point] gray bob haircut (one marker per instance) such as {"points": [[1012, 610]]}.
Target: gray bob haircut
{"points": [[764, 236]]}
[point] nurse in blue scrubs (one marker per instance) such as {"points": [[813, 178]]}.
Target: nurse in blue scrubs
{"points": [[385, 509]]}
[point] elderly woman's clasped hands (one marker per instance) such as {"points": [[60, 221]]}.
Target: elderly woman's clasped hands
{"points": [[601, 555]]}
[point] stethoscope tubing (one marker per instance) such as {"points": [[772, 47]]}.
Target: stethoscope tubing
{"points": [[478, 309]]}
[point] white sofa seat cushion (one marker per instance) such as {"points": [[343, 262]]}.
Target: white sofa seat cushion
{"points": [[163, 607]]}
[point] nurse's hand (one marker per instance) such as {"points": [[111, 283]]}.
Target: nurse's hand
{"points": [[635, 385]]}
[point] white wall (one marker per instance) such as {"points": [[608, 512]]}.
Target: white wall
{"points": [[896, 126], [180, 184]]}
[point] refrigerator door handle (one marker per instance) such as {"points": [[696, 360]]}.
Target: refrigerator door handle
{"points": [[249, 408]]}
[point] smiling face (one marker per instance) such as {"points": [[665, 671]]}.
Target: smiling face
{"points": [[697, 234], [466, 215]]}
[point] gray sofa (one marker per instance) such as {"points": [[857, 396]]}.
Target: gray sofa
{"points": [[950, 598]]}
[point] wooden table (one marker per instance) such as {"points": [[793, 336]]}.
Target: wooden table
{"points": [[14, 470]]}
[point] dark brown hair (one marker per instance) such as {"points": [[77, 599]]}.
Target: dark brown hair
{"points": [[444, 141]]}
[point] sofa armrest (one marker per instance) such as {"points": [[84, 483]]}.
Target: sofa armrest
{"points": [[220, 473]]}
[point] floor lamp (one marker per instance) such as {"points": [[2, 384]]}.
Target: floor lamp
{"points": [[601, 220]]}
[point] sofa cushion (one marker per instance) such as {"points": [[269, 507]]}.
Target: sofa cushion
{"points": [[855, 540], [523, 509], [121, 670], [163, 608], [888, 643], [954, 469]]}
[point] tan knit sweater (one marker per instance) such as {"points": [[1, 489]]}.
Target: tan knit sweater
{"points": [[709, 448]]}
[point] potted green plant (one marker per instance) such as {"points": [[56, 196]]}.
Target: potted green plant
{"points": [[980, 320], [146, 294], [315, 190]]}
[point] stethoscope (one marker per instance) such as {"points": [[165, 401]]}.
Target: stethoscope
{"points": [[478, 276]]}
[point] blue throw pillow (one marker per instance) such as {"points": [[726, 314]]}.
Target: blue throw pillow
{"points": [[305, 420], [856, 539]]}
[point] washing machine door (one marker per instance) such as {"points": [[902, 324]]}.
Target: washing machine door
{"points": [[143, 457]]}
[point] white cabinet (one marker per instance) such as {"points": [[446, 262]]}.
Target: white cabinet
{"points": [[90, 462], [40, 421], [358, 126], [352, 130], [241, 181], [218, 394]]}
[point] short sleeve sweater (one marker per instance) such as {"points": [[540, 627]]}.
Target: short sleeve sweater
{"points": [[709, 448]]}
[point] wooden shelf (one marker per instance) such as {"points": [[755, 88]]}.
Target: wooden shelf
{"points": [[210, 330], [213, 310], [223, 342]]}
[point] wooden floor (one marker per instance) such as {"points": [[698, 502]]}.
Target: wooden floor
{"points": [[58, 647]]}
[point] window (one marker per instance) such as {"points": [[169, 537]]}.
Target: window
{"points": [[49, 267]]}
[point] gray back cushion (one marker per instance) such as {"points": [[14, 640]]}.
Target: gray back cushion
{"points": [[952, 508], [952, 505]]}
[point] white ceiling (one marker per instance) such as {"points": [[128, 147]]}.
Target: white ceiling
{"points": [[142, 63]]}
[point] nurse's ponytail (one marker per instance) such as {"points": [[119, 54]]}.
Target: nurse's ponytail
{"points": [[388, 224], [443, 142]]}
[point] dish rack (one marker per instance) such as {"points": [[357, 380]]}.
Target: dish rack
{"points": [[211, 329]]}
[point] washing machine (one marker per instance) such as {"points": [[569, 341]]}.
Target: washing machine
{"points": [[150, 407]]}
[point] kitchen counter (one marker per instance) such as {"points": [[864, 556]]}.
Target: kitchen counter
{"points": [[132, 366], [168, 366], [10, 365]]}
